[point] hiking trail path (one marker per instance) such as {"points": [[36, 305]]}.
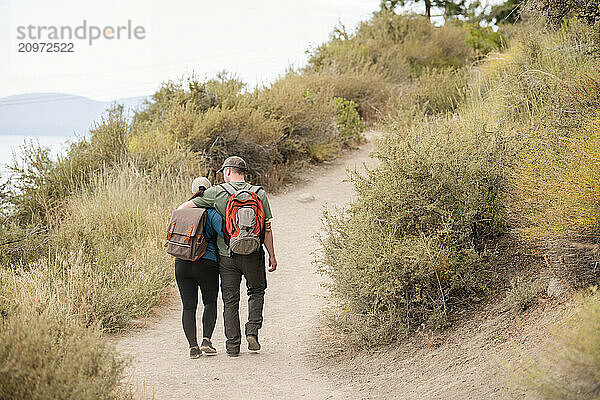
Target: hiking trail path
{"points": [[293, 303]]}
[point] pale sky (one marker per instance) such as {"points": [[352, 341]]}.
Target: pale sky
{"points": [[256, 40]]}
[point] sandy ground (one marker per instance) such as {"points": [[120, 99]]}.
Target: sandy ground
{"points": [[293, 303], [467, 361]]}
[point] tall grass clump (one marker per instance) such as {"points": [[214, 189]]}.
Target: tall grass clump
{"points": [[105, 263], [48, 353], [109, 244]]}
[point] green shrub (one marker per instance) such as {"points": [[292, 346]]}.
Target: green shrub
{"points": [[241, 131], [484, 39], [349, 123], [413, 243]]}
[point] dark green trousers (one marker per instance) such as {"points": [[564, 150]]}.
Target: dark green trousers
{"points": [[231, 269]]}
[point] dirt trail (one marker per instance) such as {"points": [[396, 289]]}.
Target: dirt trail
{"points": [[293, 302]]}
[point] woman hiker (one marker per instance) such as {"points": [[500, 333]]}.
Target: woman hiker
{"points": [[203, 274]]}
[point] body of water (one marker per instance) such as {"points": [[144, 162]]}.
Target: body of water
{"points": [[11, 144]]}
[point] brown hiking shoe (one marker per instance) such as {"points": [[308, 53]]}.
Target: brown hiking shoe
{"points": [[253, 344]]}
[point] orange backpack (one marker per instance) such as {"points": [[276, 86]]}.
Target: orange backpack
{"points": [[244, 220]]}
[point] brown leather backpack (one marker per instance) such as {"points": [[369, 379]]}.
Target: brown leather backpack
{"points": [[185, 234]]}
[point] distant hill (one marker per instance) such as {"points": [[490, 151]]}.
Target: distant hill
{"points": [[54, 114]]}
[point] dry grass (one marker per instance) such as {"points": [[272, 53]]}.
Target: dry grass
{"points": [[46, 352]]}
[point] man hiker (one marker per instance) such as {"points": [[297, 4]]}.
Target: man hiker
{"points": [[248, 209]]}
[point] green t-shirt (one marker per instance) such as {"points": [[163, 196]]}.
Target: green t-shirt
{"points": [[216, 197]]}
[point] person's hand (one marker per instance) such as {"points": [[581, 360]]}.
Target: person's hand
{"points": [[272, 263]]}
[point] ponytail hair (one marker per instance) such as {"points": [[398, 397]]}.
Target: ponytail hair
{"points": [[199, 193]]}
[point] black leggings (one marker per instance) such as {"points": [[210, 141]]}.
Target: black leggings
{"points": [[190, 275]]}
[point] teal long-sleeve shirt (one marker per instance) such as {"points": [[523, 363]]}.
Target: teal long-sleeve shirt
{"points": [[213, 229]]}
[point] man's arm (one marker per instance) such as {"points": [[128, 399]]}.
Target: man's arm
{"points": [[262, 195], [270, 247]]}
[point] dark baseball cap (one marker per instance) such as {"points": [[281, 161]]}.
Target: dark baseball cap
{"points": [[235, 162]]}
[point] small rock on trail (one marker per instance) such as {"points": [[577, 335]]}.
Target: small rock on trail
{"points": [[306, 198]]}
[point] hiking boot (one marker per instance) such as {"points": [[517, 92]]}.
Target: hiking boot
{"points": [[195, 352], [208, 348], [253, 344]]}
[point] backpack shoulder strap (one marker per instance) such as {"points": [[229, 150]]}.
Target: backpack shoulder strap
{"points": [[228, 188], [255, 189]]}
